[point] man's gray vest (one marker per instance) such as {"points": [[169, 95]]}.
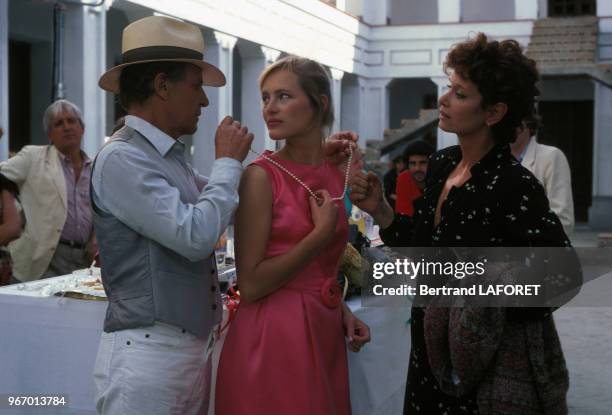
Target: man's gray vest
{"points": [[147, 282]]}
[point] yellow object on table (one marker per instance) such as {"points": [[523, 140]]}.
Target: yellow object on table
{"points": [[360, 224]]}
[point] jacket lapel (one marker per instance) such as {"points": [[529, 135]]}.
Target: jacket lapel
{"points": [[530, 154], [54, 168]]}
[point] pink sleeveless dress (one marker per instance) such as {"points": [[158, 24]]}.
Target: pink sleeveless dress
{"points": [[286, 353]]}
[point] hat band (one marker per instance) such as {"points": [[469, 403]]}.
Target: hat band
{"points": [[160, 53]]}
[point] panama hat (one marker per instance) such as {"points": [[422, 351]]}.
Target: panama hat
{"points": [[158, 38]]}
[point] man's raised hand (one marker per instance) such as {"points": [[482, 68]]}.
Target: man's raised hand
{"points": [[232, 140]]}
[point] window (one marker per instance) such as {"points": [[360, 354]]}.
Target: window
{"points": [[563, 8]]}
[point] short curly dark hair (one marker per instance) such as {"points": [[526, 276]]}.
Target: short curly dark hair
{"points": [[502, 73], [136, 81]]}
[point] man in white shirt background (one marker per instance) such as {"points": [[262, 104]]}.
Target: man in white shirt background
{"points": [[549, 165]]}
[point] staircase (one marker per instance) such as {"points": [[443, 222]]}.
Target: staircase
{"points": [[568, 46], [563, 42], [396, 139]]}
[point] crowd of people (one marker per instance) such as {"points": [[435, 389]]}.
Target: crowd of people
{"points": [[154, 221]]}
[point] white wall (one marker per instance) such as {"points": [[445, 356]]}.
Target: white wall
{"points": [[309, 28], [449, 11], [604, 11], [116, 21], [335, 39], [354, 106], [353, 7], [84, 62], [376, 12], [599, 214], [604, 8], [349, 119], [526, 9], [375, 111], [542, 9], [418, 51], [602, 146], [413, 11], [489, 10]]}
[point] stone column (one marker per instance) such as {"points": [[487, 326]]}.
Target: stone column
{"points": [[271, 56], [604, 8], [599, 214], [219, 48], [255, 59], [4, 67], [84, 63], [604, 13], [336, 91], [353, 106], [449, 11], [354, 7], [526, 9], [375, 108], [444, 139], [362, 109], [375, 12]]}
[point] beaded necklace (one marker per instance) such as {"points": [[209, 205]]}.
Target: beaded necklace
{"points": [[297, 179]]}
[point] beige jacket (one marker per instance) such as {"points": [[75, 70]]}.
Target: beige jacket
{"points": [[38, 172], [549, 165]]}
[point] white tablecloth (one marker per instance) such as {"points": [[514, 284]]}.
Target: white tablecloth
{"points": [[377, 374], [49, 345]]}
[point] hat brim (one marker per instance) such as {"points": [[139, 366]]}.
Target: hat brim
{"points": [[211, 75]]}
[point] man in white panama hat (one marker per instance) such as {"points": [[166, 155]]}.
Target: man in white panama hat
{"points": [[157, 222]]}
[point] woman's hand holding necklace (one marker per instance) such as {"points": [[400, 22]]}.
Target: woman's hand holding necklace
{"points": [[324, 215]]}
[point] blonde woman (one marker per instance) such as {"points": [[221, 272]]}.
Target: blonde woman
{"points": [[285, 352]]}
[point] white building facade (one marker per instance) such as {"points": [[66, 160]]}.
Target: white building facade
{"points": [[385, 59]]}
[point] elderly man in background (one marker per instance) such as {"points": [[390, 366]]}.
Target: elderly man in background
{"points": [[54, 185]]}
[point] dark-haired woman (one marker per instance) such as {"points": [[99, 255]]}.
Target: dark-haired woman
{"points": [[479, 361]]}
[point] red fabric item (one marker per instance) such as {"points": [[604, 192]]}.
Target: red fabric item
{"points": [[407, 191]]}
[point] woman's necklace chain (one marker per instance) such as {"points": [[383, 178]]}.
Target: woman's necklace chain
{"points": [[297, 179]]}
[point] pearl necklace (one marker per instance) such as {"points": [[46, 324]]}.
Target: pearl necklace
{"points": [[297, 179]]}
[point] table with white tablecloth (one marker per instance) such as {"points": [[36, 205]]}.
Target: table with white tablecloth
{"points": [[48, 346]]}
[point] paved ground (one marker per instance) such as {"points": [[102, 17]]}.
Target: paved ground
{"points": [[586, 336], [584, 236]]}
